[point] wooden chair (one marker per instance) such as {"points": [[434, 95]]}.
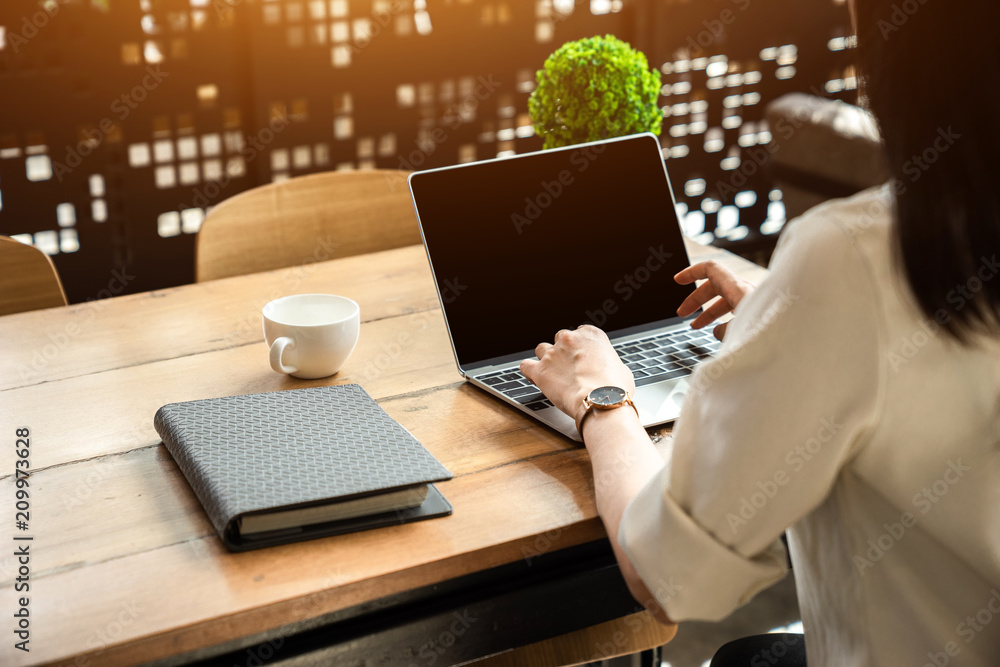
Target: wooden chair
{"points": [[29, 280], [624, 636], [306, 219]]}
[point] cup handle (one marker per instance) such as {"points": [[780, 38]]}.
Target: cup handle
{"points": [[277, 350]]}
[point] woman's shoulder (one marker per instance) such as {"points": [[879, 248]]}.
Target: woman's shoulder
{"points": [[841, 235], [863, 220]]}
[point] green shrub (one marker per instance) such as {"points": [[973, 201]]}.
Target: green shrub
{"points": [[595, 88]]}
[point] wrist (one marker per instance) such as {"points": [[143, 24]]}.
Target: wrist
{"points": [[616, 418]]}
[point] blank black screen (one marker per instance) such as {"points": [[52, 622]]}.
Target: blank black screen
{"points": [[525, 246]]}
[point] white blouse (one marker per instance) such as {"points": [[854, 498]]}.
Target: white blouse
{"points": [[837, 411]]}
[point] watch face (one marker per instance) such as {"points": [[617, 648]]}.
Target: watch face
{"points": [[607, 396]]}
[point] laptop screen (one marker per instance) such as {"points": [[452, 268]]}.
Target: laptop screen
{"points": [[525, 246]]}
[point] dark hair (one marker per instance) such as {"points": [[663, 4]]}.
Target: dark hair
{"points": [[930, 70]]}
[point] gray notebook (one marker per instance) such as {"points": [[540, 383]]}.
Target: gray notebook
{"points": [[293, 465]]}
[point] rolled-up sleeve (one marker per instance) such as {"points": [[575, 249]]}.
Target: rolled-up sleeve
{"points": [[765, 429]]}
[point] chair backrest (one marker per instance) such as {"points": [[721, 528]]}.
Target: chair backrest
{"points": [[306, 219], [28, 279]]}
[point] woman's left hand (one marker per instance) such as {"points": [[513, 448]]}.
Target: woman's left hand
{"points": [[577, 363]]}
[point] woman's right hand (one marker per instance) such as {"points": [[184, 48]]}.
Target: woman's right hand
{"points": [[719, 281]]}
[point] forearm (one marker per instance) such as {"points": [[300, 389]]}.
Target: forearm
{"points": [[624, 460]]}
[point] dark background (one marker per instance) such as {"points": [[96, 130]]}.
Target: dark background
{"points": [[233, 66]]}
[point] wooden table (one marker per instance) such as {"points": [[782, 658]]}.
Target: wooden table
{"points": [[124, 565]]}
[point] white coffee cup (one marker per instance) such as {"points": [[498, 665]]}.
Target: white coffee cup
{"points": [[311, 335]]}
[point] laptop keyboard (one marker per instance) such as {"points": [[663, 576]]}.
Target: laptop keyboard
{"points": [[665, 356]]}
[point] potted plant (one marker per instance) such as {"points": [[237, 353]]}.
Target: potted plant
{"points": [[595, 88]]}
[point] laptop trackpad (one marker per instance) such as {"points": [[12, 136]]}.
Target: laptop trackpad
{"points": [[661, 402]]}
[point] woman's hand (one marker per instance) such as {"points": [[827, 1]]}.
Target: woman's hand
{"points": [[719, 281], [578, 362]]}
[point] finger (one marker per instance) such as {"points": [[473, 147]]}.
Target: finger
{"points": [[696, 299], [712, 313], [727, 284], [528, 368], [542, 348], [720, 331], [699, 271], [561, 332]]}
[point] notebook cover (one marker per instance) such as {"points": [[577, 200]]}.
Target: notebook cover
{"points": [[295, 448]]}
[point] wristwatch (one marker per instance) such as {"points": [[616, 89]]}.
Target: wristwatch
{"points": [[604, 398]]}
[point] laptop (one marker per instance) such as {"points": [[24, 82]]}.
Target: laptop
{"points": [[524, 246]]}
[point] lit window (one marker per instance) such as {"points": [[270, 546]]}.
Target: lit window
{"points": [[208, 94], [598, 7], [188, 173], [406, 95], [695, 187], [727, 219], [362, 31], [99, 210], [718, 68], [191, 219], [366, 147], [387, 145], [317, 9], [745, 198], [341, 56], [343, 128], [47, 242], [39, 168], [467, 153], [234, 142], [694, 223], [163, 151], [168, 224], [211, 144], [212, 170], [302, 157], [544, 30], [96, 183], [153, 52], [338, 8], [714, 140], [236, 167], [165, 177], [279, 159], [187, 148], [321, 155], [730, 163], [68, 240], [423, 22], [66, 215]]}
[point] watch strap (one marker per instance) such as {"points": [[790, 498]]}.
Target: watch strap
{"points": [[590, 407]]}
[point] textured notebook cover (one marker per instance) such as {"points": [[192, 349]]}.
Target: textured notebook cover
{"points": [[293, 448]]}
